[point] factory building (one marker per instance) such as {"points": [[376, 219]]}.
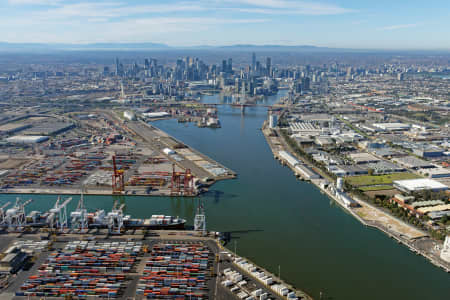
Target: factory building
{"points": [[392, 126], [129, 115], [306, 172], [27, 139], [273, 120], [287, 157], [414, 185]]}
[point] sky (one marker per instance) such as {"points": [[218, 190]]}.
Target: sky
{"points": [[364, 24]]}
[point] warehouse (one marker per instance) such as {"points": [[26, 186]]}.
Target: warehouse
{"points": [[363, 158], [13, 128], [414, 185], [27, 139], [412, 162], [383, 167], [154, 115], [287, 157], [435, 172], [306, 172], [49, 128], [392, 126], [428, 151]]}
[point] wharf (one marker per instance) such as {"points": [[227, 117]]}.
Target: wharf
{"points": [[186, 157], [416, 240], [219, 259]]}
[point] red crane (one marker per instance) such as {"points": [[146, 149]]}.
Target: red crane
{"points": [[118, 184]]}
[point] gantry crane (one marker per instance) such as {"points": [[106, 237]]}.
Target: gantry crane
{"points": [[15, 216], [187, 178], [79, 216], [115, 219], [57, 219], [3, 212], [118, 184], [200, 219]]}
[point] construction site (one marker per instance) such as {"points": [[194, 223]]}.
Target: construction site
{"points": [[101, 153]]}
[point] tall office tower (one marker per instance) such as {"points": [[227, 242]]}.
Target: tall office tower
{"points": [[146, 64], [253, 61], [224, 66], [117, 66], [400, 76], [230, 66], [306, 83], [269, 66]]}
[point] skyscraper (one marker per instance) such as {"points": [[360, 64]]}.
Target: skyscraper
{"points": [[253, 61], [269, 66]]}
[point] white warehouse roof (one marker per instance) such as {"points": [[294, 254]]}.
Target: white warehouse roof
{"points": [[411, 185], [27, 139]]}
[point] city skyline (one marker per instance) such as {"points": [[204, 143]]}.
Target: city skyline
{"points": [[177, 23]]}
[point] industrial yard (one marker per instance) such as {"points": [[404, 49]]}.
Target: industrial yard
{"points": [[160, 265], [100, 153]]}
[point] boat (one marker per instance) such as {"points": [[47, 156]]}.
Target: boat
{"points": [[155, 222]]}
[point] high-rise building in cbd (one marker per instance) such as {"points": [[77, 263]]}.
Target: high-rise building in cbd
{"points": [[230, 66], [306, 84], [117, 66], [269, 66], [224, 66], [400, 76], [253, 61]]}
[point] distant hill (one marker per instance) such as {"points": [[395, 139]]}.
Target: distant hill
{"points": [[93, 46]]}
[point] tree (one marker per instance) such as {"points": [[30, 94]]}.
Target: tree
{"points": [[370, 172]]}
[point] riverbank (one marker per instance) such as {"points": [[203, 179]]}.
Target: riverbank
{"points": [[368, 215]]}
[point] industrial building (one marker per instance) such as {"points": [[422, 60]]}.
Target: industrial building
{"points": [[392, 126], [155, 115], [421, 184], [129, 115], [306, 172], [273, 120], [436, 172], [412, 162], [49, 128], [428, 151], [287, 157], [363, 158], [27, 139], [11, 128]]}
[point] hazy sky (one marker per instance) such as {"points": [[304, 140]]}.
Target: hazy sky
{"points": [[391, 24]]}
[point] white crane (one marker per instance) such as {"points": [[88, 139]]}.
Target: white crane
{"points": [[79, 216], [200, 219], [58, 215], [15, 216], [3, 212], [115, 219]]}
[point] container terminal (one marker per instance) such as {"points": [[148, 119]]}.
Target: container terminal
{"points": [[102, 152], [84, 255]]}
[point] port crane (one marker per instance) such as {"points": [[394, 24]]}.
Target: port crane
{"points": [[200, 219], [57, 218], [79, 216], [15, 216], [3, 212], [187, 178], [118, 184], [115, 219]]}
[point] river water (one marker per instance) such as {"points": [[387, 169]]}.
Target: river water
{"points": [[282, 223]]}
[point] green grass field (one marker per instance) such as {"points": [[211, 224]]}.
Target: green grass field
{"points": [[376, 188], [367, 180]]}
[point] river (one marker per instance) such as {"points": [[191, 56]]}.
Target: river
{"points": [[277, 220]]}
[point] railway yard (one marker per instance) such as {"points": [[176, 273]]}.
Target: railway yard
{"points": [[100, 153]]}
